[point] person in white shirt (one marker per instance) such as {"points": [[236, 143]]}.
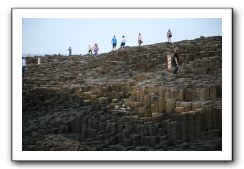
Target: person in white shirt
{"points": [[140, 39], [169, 35], [23, 65], [123, 42], [90, 50]]}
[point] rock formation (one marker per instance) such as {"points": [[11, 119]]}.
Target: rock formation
{"points": [[126, 100]]}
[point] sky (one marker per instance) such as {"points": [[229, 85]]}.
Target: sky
{"points": [[42, 36]]}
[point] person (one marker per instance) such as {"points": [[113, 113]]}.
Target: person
{"points": [[38, 60], [176, 60], [95, 48], [90, 50], [123, 42], [169, 35], [139, 39], [114, 42], [23, 65], [70, 51]]}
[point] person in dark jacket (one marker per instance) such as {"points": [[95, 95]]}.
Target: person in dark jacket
{"points": [[176, 60]]}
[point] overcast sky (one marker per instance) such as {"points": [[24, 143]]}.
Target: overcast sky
{"points": [[54, 36]]}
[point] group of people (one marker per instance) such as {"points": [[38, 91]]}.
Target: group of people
{"points": [[123, 41], [176, 56], [93, 48], [114, 42]]}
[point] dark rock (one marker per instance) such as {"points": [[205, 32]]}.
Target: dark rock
{"points": [[126, 100]]}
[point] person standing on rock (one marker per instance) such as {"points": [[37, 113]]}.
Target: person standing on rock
{"points": [[90, 50], [169, 35], [70, 51], [114, 42], [176, 61], [123, 42], [23, 65], [95, 48], [139, 39]]}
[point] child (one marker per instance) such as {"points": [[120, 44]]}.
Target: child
{"points": [[89, 50]]}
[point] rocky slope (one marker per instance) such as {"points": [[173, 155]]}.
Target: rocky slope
{"points": [[126, 99]]}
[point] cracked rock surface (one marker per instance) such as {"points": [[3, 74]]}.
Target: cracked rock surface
{"points": [[126, 100]]}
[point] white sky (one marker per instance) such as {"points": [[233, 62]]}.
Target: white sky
{"points": [[54, 36]]}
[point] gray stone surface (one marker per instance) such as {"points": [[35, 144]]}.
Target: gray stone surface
{"points": [[126, 100]]}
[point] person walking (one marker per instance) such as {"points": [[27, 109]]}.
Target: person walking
{"points": [[114, 42], [90, 50], [169, 35], [176, 61], [139, 39], [95, 48], [123, 42]]}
